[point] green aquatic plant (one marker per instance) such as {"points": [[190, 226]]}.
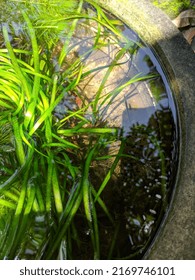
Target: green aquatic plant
{"points": [[48, 149]]}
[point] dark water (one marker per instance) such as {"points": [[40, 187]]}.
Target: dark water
{"points": [[141, 187], [140, 190]]}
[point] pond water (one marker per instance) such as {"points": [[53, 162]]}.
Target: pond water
{"points": [[104, 158]]}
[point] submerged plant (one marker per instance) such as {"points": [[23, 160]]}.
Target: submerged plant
{"points": [[54, 137]]}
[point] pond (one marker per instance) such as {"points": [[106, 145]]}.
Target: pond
{"points": [[88, 134]]}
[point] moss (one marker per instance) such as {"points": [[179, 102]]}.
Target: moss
{"points": [[172, 7]]}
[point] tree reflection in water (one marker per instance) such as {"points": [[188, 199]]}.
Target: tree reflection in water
{"points": [[147, 176]]}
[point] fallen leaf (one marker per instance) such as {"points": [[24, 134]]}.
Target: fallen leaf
{"points": [[189, 34], [185, 18]]}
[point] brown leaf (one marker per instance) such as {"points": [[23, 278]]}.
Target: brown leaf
{"points": [[185, 18], [189, 34]]}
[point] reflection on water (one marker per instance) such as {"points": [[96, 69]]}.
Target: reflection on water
{"points": [[140, 189], [132, 117], [148, 177]]}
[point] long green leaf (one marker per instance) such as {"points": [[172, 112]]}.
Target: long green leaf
{"points": [[15, 63]]}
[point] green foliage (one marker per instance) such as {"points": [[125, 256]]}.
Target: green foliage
{"points": [[48, 161], [172, 7]]}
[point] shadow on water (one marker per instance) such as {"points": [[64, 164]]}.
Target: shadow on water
{"points": [[147, 175]]}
